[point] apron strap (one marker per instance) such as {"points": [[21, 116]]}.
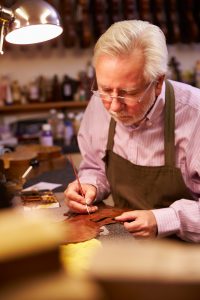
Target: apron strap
{"points": [[169, 125], [111, 134]]}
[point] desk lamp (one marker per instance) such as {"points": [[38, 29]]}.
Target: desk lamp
{"points": [[29, 22]]}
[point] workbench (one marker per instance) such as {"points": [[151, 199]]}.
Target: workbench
{"points": [[64, 176]]}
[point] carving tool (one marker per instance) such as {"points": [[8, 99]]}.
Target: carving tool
{"points": [[33, 163]]}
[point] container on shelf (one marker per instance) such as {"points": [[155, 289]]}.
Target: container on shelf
{"points": [[46, 137]]}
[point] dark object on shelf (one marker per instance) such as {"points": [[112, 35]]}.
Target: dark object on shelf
{"points": [[56, 89], [68, 88], [6, 194], [27, 129], [71, 148], [174, 65]]}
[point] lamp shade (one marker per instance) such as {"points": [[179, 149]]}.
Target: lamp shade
{"points": [[35, 21]]}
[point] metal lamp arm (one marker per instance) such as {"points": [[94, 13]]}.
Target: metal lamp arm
{"points": [[6, 17]]}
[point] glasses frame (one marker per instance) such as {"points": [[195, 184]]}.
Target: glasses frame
{"points": [[121, 99]]}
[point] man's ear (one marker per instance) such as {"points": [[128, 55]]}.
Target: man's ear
{"points": [[159, 84]]}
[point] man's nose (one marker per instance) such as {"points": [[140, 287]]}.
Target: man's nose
{"points": [[115, 104]]}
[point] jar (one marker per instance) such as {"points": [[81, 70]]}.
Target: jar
{"points": [[46, 138]]}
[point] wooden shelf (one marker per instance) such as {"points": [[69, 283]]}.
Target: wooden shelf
{"points": [[20, 108]]}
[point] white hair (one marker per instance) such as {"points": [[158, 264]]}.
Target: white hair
{"points": [[123, 37]]}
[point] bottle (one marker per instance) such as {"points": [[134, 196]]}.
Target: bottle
{"points": [[42, 88], [16, 92], [46, 138], [60, 128], [49, 94], [53, 121], [81, 93], [68, 132], [84, 86], [24, 94], [67, 89], [90, 72], [33, 92], [56, 95], [77, 123], [5, 91]]}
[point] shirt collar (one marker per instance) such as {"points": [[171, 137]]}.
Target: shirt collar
{"points": [[158, 105]]}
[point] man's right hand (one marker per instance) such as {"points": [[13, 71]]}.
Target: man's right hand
{"points": [[76, 202]]}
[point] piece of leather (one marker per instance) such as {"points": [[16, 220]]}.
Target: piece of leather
{"points": [[80, 230], [83, 227]]}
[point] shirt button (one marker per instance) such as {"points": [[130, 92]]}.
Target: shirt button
{"points": [[148, 123]]}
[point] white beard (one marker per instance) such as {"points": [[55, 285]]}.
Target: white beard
{"points": [[143, 108]]}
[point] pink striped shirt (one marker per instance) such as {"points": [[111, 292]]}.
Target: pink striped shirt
{"points": [[144, 145]]}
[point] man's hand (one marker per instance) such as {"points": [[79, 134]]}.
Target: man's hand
{"points": [[140, 223], [76, 202]]}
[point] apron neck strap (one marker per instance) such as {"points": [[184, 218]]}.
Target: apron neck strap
{"points": [[169, 125], [111, 134]]}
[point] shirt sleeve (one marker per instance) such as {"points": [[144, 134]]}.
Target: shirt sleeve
{"points": [[92, 143], [181, 218]]}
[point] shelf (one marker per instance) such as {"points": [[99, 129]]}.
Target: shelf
{"points": [[20, 108]]}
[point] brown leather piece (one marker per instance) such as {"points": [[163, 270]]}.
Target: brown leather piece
{"points": [[80, 230], [83, 227]]}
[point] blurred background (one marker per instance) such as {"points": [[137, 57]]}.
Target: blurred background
{"points": [[57, 74]]}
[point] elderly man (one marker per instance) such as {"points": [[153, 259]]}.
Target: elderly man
{"points": [[140, 137]]}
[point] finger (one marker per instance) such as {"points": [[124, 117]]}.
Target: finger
{"points": [[81, 208], [91, 209], [72, 188], [73, 195], [126, 216], [133, 226], [90, 195], [76, 207], [141, 235]]}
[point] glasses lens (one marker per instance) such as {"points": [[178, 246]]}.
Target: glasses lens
{"points": [[102, 96], [105, 97]]}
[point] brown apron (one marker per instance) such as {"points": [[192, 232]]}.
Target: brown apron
{"points": [[141, 187]]}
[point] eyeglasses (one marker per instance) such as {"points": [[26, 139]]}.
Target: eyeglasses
{"points": [[129, 96]]}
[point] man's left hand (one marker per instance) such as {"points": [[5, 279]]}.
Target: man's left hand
{"points": [[140, 223]]}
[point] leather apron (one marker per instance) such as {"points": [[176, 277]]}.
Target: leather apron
{"points": [[141, 187]]}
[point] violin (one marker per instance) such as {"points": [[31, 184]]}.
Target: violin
{"points": [[188, 24], [130, 10], [172, 18], [83, 24], [35, 158], [144, 8], [99, 15], [159, 16], [67, 13]]}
